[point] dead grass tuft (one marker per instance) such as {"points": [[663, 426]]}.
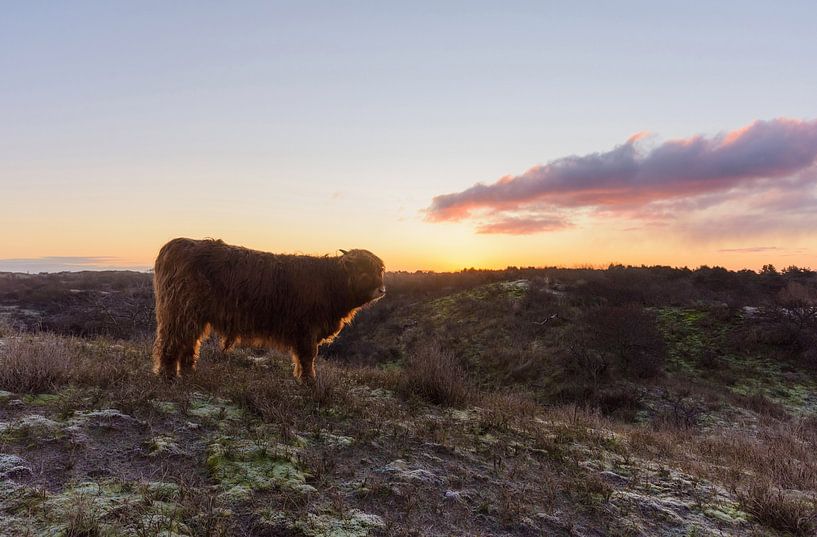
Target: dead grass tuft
{"points": [[34, 364], [83, 520], [330, 387], [764, 406], [501, 411], [776, 509], [434, 375]]}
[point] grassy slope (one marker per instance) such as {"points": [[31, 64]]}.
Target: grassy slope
{"points": [[93, 444]]}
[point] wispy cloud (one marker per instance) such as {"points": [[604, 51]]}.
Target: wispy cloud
{"points": [[767, 163], [66, 264], [763, 250], [522, 226], [749, 250]]}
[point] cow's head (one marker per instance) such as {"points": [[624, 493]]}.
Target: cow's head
{"points": [[365, 271]]}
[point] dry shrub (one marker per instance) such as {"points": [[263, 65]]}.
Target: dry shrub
{"points": [[511, 506], [266, 396], [503, 410], [6, 328], [621, 402], [604, 347], [515, 365], [330, 387], [203, 511], [321, 463], [589, 489], [375, 377], [123, 372], [434, 375], [763, 405], [34, 364], [576, 415], [776, 509], [108, 365], [629, 337], [783, 453], [83, 520], [656, 444], [103, 370], [772, 468], [679, 410]]}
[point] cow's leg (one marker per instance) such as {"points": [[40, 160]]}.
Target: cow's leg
{"points": [[176, 346], [164, 356], [191, 353], [304, 359], [164, 361], [167, 353], [167, 349], [188, 357], [227, 343]]}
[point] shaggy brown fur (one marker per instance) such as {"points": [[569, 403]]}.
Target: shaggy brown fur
{"points": [[291, 302]]}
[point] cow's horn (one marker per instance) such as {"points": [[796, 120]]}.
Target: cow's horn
{"points": [[344, 252]]}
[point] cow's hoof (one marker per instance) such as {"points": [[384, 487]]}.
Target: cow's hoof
{"points": [[167, 375], [305, 380]]}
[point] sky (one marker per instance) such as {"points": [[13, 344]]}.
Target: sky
{"points": [[439, 135]]}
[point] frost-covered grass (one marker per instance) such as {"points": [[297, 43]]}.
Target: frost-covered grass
{"points": [[241, 449]]}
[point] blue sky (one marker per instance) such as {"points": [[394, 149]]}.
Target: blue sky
{"points": [[314, 126]]}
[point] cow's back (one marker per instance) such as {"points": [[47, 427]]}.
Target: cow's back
{"points": [[238, 291]]}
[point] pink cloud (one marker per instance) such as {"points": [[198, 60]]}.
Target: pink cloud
{"points": [[692, 173], [522, 226]]}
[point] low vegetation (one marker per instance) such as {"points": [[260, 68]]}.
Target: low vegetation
{"points": [[630, 401]]}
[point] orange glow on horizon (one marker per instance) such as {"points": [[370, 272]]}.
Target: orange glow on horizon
{"points": [[499, 252]]}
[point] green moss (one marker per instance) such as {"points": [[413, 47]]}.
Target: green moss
{"points": [[82, 417], [41, 399], [353, 523], [105, 509], [16, 498], [213, 408], [729, 513], [166, 407], [163, 444], [797, 397], [160, 491], [685, 337], [450, 305], [243, 467], [515, 289], [336, 440], [690, 333], [464, 415], [488, 438], [33, 427]]}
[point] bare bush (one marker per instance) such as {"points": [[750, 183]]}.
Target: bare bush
{"points": [[629, 336], [329, 388], [435, 376], [680, 410], [83, 520], [36, 364], [503, 410], [761, 404], [786, 324], [5, 327], [776, 509]]}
